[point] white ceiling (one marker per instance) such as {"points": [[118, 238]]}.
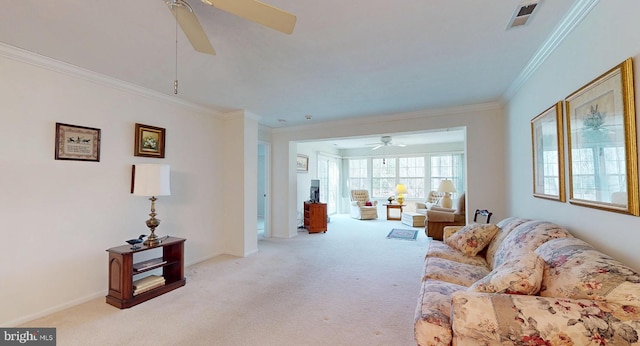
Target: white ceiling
{"points": [[345, 59]]}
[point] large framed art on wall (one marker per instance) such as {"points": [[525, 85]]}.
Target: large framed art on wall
{"points": [[548, 154], [602, 145]]}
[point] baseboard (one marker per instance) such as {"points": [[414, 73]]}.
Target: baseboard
{"points": [[55, 309]]}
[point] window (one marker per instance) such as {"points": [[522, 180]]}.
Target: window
{"points": [[328, 176], [383, 177], [411, 173], [420, 174], [450, 167], [358, 174]]}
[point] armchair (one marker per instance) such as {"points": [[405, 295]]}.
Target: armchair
{"points": [[438, 218], [360, 209], [432, 200]]}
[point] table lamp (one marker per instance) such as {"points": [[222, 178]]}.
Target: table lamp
{"points": [[401, 190], [447, 187], [151, 180]]}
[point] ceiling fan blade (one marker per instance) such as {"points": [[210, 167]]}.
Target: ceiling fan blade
{"points": [[192, 29], [258, 12], [401, 145], [377, 147]]}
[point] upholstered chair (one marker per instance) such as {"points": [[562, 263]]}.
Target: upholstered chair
{"points": [[362, 207], [432, 200], [438, 218]]}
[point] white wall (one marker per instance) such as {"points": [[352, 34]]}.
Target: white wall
{"points": [[606, 37], [57, 217], [484, 147]]}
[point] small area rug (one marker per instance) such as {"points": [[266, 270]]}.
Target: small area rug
{"points": [[405, 234]]}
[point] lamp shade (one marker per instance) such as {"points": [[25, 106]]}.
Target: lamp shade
{"points": [[401, 189], [152, 180], [446, 186]]}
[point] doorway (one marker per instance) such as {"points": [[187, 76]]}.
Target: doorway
{"points": [[264, 150], [329, 176]]}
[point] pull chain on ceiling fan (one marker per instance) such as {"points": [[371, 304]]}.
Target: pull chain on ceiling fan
{"points": [[175, 81]]}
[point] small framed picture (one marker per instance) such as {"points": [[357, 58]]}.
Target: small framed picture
{"points": [[302, 163], [78, 143], [149, 141]]}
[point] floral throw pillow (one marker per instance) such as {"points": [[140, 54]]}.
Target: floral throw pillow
{"points": [[522, 275], [472, 238]]}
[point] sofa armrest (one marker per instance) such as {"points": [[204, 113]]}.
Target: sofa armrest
{"points": [[439, 216], [449, 230], [497, 319], [437, 208]]}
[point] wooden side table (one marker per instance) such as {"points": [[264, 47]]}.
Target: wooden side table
{"points": [[315, 217], [394, 206], [122, 269]]}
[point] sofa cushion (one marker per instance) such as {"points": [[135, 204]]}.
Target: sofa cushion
{"points": [[526, 238], [439, 249], [453, 272], [472, 238], [509, 319], [506, 226], [574, 269], [521, 275], [431, 320]]}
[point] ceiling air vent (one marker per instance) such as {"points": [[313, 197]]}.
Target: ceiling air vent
{"points": [[523, 13]]}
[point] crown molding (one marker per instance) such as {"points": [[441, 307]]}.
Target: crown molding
{"points": [[578, 11], [393, 117], [31, 58]]}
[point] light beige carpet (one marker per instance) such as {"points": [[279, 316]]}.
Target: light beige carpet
{"points": [[349, 286]]}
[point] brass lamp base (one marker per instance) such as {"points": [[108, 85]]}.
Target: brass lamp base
{"points": [[152, 240], [152, 223]]}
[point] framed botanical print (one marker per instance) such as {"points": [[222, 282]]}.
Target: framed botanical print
{"points": [[149, 141], [601, 133], [548, 154]]}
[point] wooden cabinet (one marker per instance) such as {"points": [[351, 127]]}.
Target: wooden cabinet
{"points": [[122, 271], [315, 217]]}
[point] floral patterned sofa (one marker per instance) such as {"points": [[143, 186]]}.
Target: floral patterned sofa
{"points": [[524, 282]]}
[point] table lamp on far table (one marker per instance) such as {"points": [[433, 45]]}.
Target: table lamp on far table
{"points": [[151, 180], [447, 187], [401, 190]]}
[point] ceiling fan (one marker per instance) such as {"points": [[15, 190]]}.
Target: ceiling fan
{"points": [[252, 10], [385, 141]]}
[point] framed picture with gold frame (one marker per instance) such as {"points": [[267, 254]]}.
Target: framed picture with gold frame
{"points": [[601, 136], [548, 154], [149, 141]]}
